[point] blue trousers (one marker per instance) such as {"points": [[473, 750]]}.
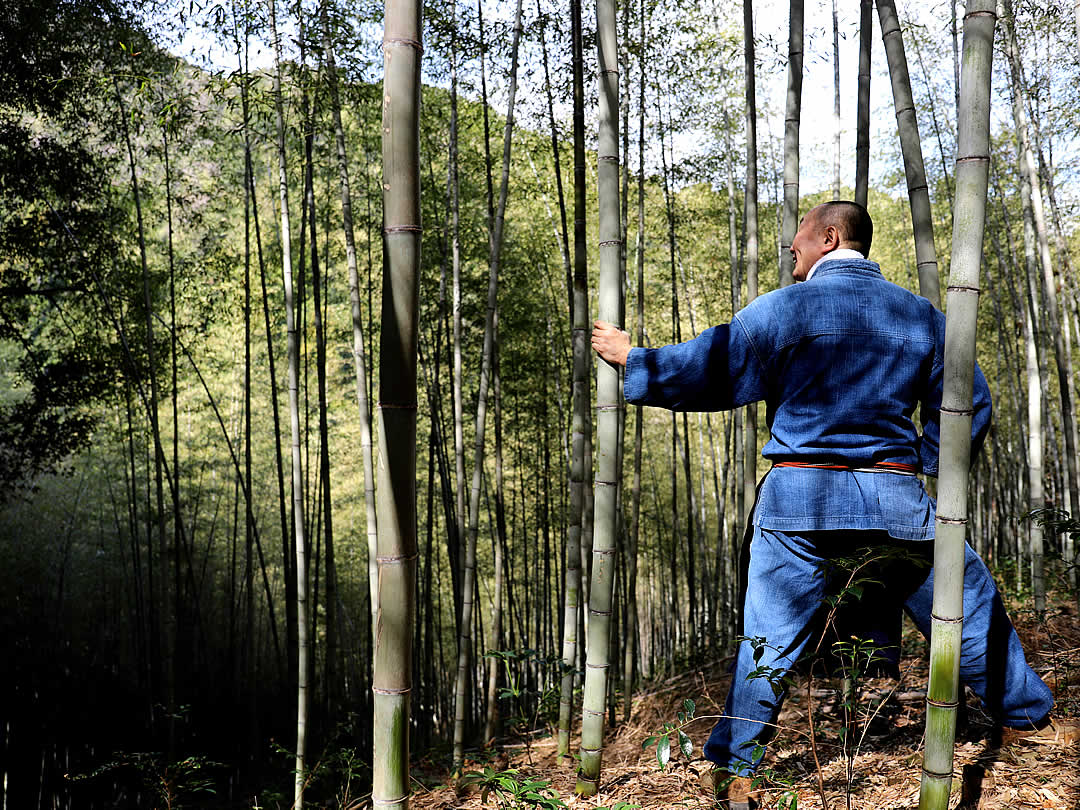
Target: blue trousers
{"points": [[787, 582]]}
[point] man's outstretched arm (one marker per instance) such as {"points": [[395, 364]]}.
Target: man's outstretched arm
{"points": [[716, 370]]}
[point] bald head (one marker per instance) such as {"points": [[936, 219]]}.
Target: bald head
{"points": [[851, 220]]}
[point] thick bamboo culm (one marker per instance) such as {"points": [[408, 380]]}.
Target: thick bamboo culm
{"points": [[607, 409], [908, 125], [392, 683], [969, 216]]}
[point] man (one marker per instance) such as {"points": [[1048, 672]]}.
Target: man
{"points": [[842, 362]]}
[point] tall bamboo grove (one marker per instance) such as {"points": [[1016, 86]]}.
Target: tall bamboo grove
{"points": [[396, 509], [607, 408], [969, 216]]}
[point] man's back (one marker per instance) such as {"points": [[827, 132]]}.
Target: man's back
{"points": [[841, 361], [847, 356]]}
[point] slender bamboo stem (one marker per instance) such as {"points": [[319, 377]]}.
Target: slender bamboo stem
{"points": [[791, 142], [911, 147], [862, 136]]}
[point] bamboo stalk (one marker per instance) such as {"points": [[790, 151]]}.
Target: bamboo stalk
{"points": [[750, 215], [607, 408], [791, 147], [862, 136], [396, 511], [911, 147], [972, 171], [490, 327]]}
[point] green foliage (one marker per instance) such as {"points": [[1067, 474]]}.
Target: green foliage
{"points": [[173, 783], [544, 701], [662, 739], [512, 791]]}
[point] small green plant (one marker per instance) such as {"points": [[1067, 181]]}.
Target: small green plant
{"points": [[527, 707], [171, 782], [513, 791], [662, 738]]}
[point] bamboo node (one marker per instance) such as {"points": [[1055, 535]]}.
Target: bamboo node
{"points": [[935, 775], [403, 229], [974, 159], [901, 110], [600, 483], [609, 72], [915, 189], [608, 158], [402, 406], [927, 263], [957, 620], [406, 41], [992, 14], [395, 559], [957, 411], [952, 521], [388, 802], [597, 666], [592, 713], [943, 704], [582, 777], [595, 612], [609, 242], [379, 691]]}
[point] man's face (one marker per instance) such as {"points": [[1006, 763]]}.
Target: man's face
{"points": [[811, 242]]}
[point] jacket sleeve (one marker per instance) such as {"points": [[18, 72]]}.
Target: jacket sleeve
{"points": [[717, 370], [930, 411]]}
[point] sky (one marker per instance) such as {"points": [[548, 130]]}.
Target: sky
{"points": [[817, 124]]}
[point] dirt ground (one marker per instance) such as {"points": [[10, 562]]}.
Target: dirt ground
{"points": [[884, 773]]}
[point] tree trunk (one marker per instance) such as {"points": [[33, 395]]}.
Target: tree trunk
{"points": [[464, 641], [579, 321], [631, 647], [836, 102], [972, 167], [294, 426], [607, 406], [455, 242], [911, 146], [359, 351], [791, 143], [750, 226], [397, 403], [862, 136], [1030, 168]]}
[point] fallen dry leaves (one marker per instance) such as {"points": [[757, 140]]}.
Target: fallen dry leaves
{"points": [[886, 770]]}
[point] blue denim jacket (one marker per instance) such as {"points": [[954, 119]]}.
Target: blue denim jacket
{"points": [[841, 361]]}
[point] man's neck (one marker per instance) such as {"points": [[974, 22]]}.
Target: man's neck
{"points": [[839, 253]]}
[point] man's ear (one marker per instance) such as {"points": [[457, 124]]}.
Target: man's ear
{"points": [[832, 237]]}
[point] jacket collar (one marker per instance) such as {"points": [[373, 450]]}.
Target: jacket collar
{"points": [[838, 265]]}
